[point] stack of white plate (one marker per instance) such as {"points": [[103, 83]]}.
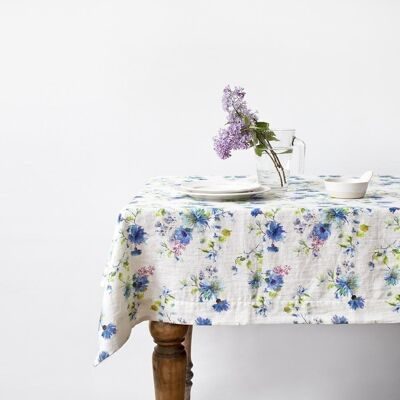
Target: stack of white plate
{"points": [[223, 189]]}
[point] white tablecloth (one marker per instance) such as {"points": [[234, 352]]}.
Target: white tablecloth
{"points": [[298, 258]]}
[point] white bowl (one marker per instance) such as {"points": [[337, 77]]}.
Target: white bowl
{"points": [[345, 188]]}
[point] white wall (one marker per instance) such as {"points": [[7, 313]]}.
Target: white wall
{"points": [[97, 96]]}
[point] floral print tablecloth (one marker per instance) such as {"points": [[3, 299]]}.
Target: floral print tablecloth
{"points": [[301, 257]]}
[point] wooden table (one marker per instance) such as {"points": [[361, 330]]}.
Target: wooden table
{"points": [[172, 362], [298, 257]]}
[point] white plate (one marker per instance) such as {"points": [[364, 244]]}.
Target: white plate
{"points": [[226, 196], [221, 186]]}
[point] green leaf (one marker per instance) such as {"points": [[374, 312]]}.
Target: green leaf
{"points": [[254, 137], [261, 138], [264, 125], [385, 260], [364, 228], [288, 151], [270, 136], [226, 232], [259, 149], [287, 309]]}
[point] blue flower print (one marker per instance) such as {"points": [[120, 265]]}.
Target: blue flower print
{"points": [[395, 304], [140, 282], [356, 302], [392, 277], [346, 285], [255, 212], [321, 231], [393, 209], [337, 214], [108, 331], [255, 281], [203, 321], [272, 248], [209, 290], [136, 252], [197, 218], [350, 251], [102, 356], [336, 319], [136, 234], [274, 282], [275, 231], [371, 266], [183, 235], [221, 305]]}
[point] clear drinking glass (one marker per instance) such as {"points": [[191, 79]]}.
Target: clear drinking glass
{"points": [[289, 154]]}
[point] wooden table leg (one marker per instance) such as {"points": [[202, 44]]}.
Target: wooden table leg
{"points": [[169, 360], [189, 365]]}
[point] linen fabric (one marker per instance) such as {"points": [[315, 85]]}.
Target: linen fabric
{"points": [[296, 257]]}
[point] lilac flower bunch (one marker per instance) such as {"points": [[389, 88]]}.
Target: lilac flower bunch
{"points": [[243, 130], [234, 136]]}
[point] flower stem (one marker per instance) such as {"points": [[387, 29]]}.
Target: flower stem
{"points": [[276, 166], [279, 165]]}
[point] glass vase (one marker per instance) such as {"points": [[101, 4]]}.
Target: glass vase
{"points": [[285, 158]]}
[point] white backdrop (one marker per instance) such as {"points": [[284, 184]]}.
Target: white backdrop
{"points": [[97, 96]]}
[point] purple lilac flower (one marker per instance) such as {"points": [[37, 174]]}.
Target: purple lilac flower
{"points": [[234, 136], [231, 138], [233, 98]]}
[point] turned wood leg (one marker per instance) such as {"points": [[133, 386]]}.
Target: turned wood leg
{"points": [[169, 360], [189, 365]]}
